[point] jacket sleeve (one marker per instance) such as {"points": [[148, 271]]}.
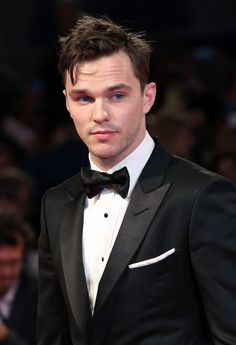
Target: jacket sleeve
{"points": [[53, 323], [213, 253]]}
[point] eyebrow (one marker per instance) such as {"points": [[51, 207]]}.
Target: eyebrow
{"points": [[109, 89], [118, 86]]}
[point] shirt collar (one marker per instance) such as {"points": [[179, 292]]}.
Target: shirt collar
{"points": [[134, 162]]}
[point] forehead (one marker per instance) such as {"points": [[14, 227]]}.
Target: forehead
{"points": [[114, 69]]}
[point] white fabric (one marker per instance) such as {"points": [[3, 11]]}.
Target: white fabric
{"points": [[103, 216], [6, 302], [152, 260]]}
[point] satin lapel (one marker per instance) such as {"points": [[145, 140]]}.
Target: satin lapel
{"points": [[72, 262], [133, 229]]}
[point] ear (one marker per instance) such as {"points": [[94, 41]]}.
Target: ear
{"points": [[149, 95], [65, 94]]}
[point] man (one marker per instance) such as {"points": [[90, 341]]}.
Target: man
{"points": [[156, 264], [18, 290]]}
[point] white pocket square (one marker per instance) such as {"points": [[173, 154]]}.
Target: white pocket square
{"points": [[152, 260]]}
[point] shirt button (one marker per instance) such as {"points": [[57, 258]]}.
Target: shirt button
{"points": [[105, 215]]}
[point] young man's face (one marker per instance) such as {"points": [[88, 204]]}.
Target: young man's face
{"points": [[11, 259], [108, 108]]}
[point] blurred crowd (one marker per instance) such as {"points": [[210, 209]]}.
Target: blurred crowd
{"points": [[194, 116]]}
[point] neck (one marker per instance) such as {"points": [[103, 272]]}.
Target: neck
{"points": [[108, 163]]}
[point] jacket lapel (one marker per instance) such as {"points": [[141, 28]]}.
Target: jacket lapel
{"points": [[144, 204], [72, 262]]}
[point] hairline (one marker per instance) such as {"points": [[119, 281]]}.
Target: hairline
{"points": [[73, 70]]}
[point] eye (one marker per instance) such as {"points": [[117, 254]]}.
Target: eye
{"points": [[84, 99], [117, 96]]}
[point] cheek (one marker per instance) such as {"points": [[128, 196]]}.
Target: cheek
{"points": [[77, 117], [134, 115], [129, 112], [80, 126]]}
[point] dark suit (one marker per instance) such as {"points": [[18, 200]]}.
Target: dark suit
{"points": [[22, 320], [188, 298]]}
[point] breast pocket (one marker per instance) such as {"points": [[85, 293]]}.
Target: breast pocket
{"points": [[151, 270]]}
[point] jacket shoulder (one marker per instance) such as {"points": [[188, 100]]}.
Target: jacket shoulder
{"points": [[72, 185], [185, 171], [190, 178]]}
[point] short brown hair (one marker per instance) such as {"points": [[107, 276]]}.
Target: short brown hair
{"points": [[14, 231], [92, 38]]}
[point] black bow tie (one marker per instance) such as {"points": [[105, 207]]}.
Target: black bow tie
{"points": [[94, 181]]}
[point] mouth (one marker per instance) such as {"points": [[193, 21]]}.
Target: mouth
{"points": [[103, 134]]}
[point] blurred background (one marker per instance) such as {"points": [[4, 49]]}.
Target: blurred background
{"points": [[193, 64]]}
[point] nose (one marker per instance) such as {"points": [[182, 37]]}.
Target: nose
{"points": [[100, 112]]}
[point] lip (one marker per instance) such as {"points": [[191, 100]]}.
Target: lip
{"points": [[103, 135]]}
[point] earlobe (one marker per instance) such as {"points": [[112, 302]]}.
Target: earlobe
{"points": [[149, 96]]}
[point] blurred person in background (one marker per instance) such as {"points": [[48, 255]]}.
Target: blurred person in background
{"points": [[18, 288], [18, 196], [224, 139], [17, 189], [11, 154], [25, 119], [176, 135]]}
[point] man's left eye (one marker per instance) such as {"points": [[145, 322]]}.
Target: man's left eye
{"points": [[117, 96]]}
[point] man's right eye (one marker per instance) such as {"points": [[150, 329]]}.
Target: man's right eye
{"points": [[83, 99]]}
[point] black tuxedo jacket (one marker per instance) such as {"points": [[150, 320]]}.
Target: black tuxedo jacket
{"points": [[187, 298], [22, 320]]}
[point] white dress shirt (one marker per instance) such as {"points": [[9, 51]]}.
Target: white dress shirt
{"points": [[103, 215]]}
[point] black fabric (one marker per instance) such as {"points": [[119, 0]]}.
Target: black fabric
{"points": [[94, 181]]}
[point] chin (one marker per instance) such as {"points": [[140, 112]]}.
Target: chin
{"points": [[103, 154]]}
